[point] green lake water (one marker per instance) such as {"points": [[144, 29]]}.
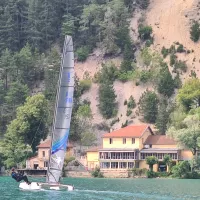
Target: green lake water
{"points": [[107, 189]]}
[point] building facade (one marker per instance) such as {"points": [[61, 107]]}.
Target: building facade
{"points": [[41, 160], [128, 147]]}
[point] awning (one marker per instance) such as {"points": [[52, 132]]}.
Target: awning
{"points": [[118, 150], [150, 150]]}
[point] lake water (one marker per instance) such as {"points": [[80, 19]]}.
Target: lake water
{"points": [[107, 189]]}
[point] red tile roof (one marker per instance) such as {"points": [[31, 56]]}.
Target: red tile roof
{"points": [[133, 131], [159, 140], [32, 157], [47, 144]]}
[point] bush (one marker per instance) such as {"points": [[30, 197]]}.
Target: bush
{"points": [[97, 173], [180, 65], [193, 74], [68, 160], [125, 76], [143, 3], [149, 42], [125, 124], [85, 85], [181, 169], [180, 48], [125, 102], [177, 81], [103, 126], [151, 174], [164, 52], [172, 49], [162, 174], [145, 32], [126, 65], [138, 172], [109, 72], [145, 76], [114, 121], [131, 102], [172, 59], [128, 112], [82, 53], [192, 175], [195, 31]]}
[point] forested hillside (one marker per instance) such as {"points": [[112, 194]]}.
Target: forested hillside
{"points": [[127, 71]]}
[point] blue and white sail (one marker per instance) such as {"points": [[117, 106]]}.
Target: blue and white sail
{"points": [[62, 114]]}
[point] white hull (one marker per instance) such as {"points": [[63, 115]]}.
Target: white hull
{"points": [[32, 186], [57, 186], [39, 186]]}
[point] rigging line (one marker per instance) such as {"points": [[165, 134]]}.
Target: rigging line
{"points": [[39, 126]]}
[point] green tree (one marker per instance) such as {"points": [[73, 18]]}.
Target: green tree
{"points": [[107, 100], [151, 161], [165, 82], [145, 32], [84, 111], [24, 61], [148, 106], [7, 67], [181, 169], [168, 161], [31, 123], [16, 94], [162, 117], [189, 136], [108, 72], [195, 31], [189, 94], [143, 3], [14, 150], [176, 117], [131, 102]]}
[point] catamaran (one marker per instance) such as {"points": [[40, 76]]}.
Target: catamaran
{"points": [[61, 122]]}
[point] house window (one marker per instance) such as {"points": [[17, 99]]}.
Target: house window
{"points": [[124, 140], [133, 140], [111, 140], [150, 146], [45, 164], [43, 153], [130, 165]]}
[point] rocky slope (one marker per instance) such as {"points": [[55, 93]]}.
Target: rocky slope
{"points": [[170, 20]]}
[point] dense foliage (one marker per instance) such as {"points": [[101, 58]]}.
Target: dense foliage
{"points": [[195, 31], [148, 106]]}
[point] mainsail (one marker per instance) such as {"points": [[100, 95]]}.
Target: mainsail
{"points": [[62, 114]]}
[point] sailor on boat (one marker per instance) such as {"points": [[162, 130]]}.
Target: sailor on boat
{"points": [[19, 177]]}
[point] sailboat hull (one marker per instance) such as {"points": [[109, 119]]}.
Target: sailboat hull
{"points": [[40, 186], [32, 186], [57, 186]]}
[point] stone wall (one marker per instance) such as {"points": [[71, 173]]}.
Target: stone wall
{"points": [[78, 174], [115, 174]]}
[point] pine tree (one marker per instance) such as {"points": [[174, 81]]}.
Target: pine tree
{"points": [[12, 23], [7, 68], [165, 83], [162, 117], [107, 102], [148, 106]]}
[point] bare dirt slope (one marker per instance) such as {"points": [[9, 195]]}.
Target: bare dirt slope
{"points": [[171, 20]]}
